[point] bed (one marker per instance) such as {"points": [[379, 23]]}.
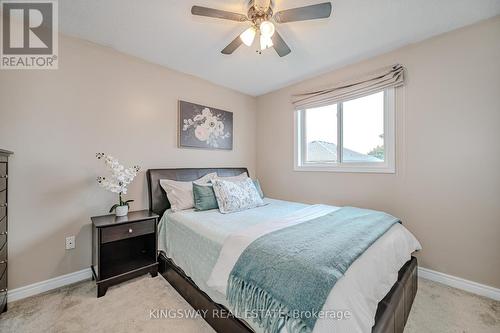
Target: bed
{"points": [[184, 267]]}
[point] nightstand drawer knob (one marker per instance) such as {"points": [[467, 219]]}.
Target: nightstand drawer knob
{"points": [[130, 230]]}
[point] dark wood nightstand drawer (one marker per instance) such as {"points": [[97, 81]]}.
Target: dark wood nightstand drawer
{"points": [[3, 184], [124, 231]]}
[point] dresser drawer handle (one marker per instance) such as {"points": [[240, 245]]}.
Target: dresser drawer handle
{"points": [[6, 176], [3, 205], [3, 233], [3, 262], [130, 230], [3, 290]]}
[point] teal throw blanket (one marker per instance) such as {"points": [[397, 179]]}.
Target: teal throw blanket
{"points": [[285, 276]]}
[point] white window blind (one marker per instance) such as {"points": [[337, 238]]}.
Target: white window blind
{"points": [[391, 76]]}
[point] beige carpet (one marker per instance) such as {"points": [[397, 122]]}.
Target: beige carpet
{"points": [[126, 308]]}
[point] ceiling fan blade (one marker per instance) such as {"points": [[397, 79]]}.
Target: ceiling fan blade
{"points": [[280, 45], [222, 14], [322, 10], [231, 47]]}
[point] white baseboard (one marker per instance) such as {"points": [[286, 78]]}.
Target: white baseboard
{"points": [[43, 286], [459, 283], [84, 274]]}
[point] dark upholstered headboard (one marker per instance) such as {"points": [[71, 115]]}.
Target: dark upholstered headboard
{"points": [[158, 201]]}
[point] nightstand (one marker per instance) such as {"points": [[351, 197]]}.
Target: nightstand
{"points": [[123, 248]]}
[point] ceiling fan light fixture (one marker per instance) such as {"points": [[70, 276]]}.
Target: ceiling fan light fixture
{"points": [[265, 42], [262, 17], [248, 36], [267, 29]]}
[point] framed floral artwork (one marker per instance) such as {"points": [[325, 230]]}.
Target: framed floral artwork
{"points": [[204, 127]]}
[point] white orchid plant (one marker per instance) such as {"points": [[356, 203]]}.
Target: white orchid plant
{"points": [[119, 180]]}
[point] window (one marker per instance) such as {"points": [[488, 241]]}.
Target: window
{"points": [[356, 135]]}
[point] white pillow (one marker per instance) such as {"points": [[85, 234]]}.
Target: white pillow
{"points": [[241, 176], [235, 196], [180, 194]]}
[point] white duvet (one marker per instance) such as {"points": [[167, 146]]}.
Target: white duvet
{"points": [[364, 284]]}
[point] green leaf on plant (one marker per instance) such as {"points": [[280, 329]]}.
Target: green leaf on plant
{"points": [[113, 208]]}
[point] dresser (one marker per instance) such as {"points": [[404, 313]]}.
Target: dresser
{"points": [[4, 169]]}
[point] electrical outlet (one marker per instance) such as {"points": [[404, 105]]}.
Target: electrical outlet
{"points": [[70, 242]]}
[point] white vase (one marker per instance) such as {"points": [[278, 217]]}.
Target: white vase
{"points": [[121, 210]]}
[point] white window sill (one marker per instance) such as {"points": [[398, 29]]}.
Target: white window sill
{"points": [[345, 168]]}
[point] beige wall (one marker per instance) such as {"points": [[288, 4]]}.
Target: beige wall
{"points": [[447, 185], [446, 190], [98, 101]]}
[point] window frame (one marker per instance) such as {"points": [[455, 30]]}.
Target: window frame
{"points": [[389, 164]]}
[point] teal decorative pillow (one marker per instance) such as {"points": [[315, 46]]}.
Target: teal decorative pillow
{"points": [[204, 197], [257, 186]]}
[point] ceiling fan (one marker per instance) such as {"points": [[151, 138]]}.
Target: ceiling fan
{"points": [[261, 16]]}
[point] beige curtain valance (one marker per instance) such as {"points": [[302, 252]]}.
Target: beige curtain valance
{"points": [[391, 76]]}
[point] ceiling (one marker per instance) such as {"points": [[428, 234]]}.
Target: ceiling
{"points": [[165, 32]]}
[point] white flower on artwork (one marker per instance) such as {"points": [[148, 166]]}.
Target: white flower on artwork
{"points": [[206, 113], [207, 127], [201, 133]]}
